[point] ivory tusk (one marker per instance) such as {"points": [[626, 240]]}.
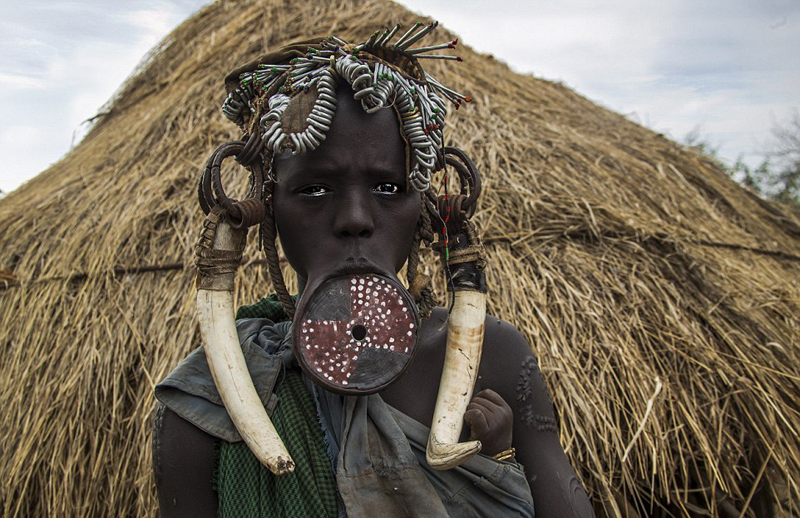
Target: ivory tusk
{"points": [[226, 361], [465, 329]]}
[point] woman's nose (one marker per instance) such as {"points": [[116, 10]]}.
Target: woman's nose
{"points": [[354, 217]]}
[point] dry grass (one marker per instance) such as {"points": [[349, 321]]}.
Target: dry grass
{"points": [[661, 298]]}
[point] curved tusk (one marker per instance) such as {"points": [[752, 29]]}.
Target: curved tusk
{"points": [[223, 352], [465, 329]]}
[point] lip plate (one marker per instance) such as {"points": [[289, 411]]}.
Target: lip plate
{"points": [[322, 333]]}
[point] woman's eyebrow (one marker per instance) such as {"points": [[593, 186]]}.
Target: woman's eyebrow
{"points": [[378, 170], [330, 173], [305, 174]]}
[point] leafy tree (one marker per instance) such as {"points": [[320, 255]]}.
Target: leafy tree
{"points": [[784, 182], [695, 140], [753, 177], [777, 177]]}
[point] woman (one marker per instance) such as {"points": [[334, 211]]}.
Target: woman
{"points": [[351, 196]]}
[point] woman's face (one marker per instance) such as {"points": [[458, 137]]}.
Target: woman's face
{"points": [[343, 208]]}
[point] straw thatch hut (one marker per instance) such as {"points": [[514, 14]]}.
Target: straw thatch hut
{"points": [[661, 298]]}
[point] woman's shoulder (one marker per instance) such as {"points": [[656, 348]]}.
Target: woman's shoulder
{"points": [[498, 334]]}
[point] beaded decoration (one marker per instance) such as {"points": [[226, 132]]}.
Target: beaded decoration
{"points": [[381, 73]]}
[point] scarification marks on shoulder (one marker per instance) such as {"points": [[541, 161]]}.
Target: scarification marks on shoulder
{"points": [[524, 389], [526, 397]]}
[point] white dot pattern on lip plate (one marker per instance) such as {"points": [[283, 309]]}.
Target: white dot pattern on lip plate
{"points": [[329, 345]]}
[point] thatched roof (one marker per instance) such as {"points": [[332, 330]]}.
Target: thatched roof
{"points": [[661, 298]]}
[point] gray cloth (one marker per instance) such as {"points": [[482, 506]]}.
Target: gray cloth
{"points": [[190, 392], [382, 466], [377, 452], [481, 486], [378, 474]]}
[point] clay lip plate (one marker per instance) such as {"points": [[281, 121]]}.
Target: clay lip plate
{"points": [[356, 333]]}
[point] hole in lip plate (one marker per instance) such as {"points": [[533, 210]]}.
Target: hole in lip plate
{"points": [[359, 332]]}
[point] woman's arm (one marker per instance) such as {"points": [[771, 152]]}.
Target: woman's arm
{"points": [[183, 462], [509, 368]]}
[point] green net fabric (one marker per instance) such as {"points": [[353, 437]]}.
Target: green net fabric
{"points": [[245, 488], [268, 307]]}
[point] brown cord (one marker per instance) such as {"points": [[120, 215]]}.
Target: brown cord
{"points": [[474, 253], [269, 235], [210, 262], [213, 264], [413, 259], [420, 286]]}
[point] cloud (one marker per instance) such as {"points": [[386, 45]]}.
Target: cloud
{"points": [[20, 145], [728, 66], [61, 61], [153, 23], [16, 81]]}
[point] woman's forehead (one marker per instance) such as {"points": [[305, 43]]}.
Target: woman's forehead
{"points": [[357, 140]]}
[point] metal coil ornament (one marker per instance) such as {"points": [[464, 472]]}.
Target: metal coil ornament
{"points": [[377, 84]]}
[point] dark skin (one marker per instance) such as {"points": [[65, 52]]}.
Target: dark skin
{"points": [[345, 204]]}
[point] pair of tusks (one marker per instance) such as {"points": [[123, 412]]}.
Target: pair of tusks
{"points": [[226, 362]]}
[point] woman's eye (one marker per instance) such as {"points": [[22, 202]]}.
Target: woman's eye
{"points": [[387, 188], [314, 190]]}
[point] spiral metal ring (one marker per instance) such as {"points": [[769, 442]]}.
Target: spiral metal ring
{"points": [[468, 175], [251, 210]]}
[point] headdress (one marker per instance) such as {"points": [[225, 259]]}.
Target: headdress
{"points": [[382, 74]]}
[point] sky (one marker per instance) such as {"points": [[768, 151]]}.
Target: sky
{"points": [[724, 69]]}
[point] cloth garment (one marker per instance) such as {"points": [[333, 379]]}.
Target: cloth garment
{"points": [[246, 489], [376, 452], [382, 466]]}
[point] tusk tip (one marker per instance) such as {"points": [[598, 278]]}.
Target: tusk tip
{"points": [[442, 456], [282, 466]]}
